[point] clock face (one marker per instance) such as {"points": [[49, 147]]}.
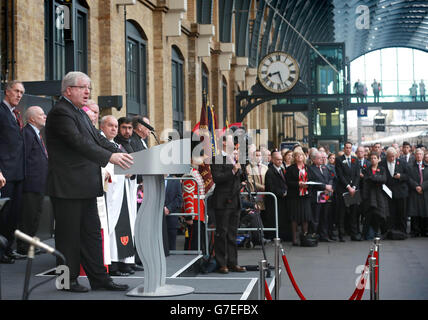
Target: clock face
{"points": [[278, 72]]}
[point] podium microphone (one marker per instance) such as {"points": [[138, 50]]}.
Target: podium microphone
{"points": [[152, 130], [142, 122], [37, 243]]}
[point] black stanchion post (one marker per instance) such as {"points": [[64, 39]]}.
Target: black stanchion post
{"points": [[30, 258]]}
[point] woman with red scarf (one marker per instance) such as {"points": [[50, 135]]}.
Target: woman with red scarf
{"points": [[298, 196]]}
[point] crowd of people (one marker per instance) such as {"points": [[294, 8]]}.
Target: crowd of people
{"points": [[363, 193]]}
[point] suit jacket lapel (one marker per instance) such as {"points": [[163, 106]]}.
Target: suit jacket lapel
{"points": [[42, 147], [84, 118], [9, 114]]}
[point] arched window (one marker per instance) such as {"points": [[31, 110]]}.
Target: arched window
{"points": [[136, 70], [177, 78], [395, 68]]}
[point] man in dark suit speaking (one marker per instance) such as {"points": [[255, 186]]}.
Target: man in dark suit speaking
{"points": [[77, 151]]}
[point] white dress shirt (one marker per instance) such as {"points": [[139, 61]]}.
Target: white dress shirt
{"points": [[391, 167]]}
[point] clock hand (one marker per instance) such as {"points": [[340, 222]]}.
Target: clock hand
{"points": [[276, 73]]}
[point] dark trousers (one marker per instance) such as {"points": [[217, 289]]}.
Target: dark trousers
{"points": [[172, 238], [376, 221], [320, 219], [226, 251], [332, 220], [32, 205], [10, 215], [376, 96], [397, 214], [191, 241], [351, 213], [78, 237]]}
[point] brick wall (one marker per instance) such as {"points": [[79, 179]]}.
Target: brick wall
{"points": [[106, 59]]}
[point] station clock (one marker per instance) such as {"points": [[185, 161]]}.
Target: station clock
{"points": [[278, 72]]}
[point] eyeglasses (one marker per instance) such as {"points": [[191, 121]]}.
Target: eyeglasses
{"points": [[82, 87]]}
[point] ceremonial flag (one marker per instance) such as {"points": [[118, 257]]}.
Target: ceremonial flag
{"points": [[206, 130]]}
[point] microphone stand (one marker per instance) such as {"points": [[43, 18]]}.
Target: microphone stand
{"points": [[30, 258], [156, 138]]}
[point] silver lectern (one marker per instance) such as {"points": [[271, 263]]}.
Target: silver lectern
{"points": [[169, 158]]}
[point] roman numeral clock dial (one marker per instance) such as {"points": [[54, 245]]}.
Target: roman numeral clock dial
{"points": [[278, 72]]}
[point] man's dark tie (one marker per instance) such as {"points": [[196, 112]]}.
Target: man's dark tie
{"points": [[349, 162], [43, 144], [18, 118], [281, 172]]}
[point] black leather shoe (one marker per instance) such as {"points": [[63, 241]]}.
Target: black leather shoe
{"points": [[117, 273], [325, 240], [110, 286], [341, 239], [7, 260], [127, 269], [76, 287]]}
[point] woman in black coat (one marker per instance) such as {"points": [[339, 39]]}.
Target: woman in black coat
{"points": [[373, 195]]}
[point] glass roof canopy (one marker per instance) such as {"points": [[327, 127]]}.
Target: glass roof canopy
{"points": [[363, 25], [390, 23]]}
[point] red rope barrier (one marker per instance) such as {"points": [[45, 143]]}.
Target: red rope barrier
{"points": [[290, 275], [267, 292], [358, 293]]}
